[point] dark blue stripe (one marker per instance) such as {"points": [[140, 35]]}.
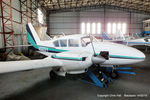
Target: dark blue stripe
{"points": [[29, 31]]}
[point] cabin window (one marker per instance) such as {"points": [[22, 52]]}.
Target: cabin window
{"points": [[85, 41], [56, 43], [73, 43], [63, 43]]}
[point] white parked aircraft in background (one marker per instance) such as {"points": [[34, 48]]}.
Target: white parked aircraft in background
{"points": [[73, 54], [127, 40]]}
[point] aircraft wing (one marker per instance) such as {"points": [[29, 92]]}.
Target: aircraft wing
{"points": [[137, 43], [12, 66], [16, 46], [140, 41]]}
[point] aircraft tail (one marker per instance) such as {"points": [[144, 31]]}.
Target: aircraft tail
{"points": [[105, 36], [120, 35], [32, 36]]}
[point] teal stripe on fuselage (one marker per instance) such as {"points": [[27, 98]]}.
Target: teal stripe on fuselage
{"points": [[66, 58], [125, 57]]}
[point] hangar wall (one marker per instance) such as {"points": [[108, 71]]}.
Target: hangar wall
{"points": [[70, 22], [17, 27], [67, 22], [1, 37], [22, 13]]}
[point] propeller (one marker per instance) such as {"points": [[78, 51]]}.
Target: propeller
{"points": [[92, 45], [96, 59]]}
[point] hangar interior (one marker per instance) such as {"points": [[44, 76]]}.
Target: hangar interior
{"points": [[52, 18]]}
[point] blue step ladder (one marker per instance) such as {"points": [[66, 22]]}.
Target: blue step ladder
{"points": [[103, 84], [97, 81], [119, 70]]}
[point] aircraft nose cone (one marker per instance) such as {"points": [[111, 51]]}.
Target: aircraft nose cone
{"points": [[141, 55], [136, 55], [98, 59]]}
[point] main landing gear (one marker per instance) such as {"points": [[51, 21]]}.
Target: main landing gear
{"points": [[52, 75], [56, 74]]}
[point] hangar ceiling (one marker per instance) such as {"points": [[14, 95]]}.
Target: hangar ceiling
{"points": [[58, 5]]}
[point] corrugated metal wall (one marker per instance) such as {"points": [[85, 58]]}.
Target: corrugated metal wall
{"points": [[64, 22], [70, 22]]}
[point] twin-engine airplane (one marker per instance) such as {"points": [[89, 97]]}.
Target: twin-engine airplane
{"points": [[73, 54]]}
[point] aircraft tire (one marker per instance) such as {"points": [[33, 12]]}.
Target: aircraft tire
{"points": [[52, 75], [114, 75]]}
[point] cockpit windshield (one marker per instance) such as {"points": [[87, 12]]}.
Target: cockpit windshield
{"points": [[86, 40]]}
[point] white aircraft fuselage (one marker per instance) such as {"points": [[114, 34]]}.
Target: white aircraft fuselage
{"points": [[72, 47], [118, 54], [130, 41]]}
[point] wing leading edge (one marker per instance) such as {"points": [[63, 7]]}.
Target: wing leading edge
{"points": [[13, 66]]}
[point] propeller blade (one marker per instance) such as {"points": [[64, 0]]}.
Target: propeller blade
{"points": [[96, 59], [92, 45]]}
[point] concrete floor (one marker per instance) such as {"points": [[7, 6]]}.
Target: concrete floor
{"points": [[35, 85]]}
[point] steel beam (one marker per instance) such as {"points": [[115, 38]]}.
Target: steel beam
{"points": [[7, 23]]}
